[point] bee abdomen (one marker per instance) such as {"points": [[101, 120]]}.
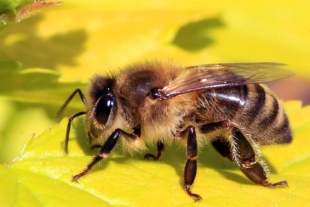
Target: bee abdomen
{"points": [[265, 118]]}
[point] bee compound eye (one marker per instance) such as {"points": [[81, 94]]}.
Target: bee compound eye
{"points": [[104, 109]]}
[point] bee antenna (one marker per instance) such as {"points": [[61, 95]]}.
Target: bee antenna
{"points": [[62, 108]]}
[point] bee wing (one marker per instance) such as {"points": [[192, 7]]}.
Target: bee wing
{"points": [[208, 76]]}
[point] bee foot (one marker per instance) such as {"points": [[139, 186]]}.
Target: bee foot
{"points": [[76, 177], [272, 185], [193, 195], [147, 156]]}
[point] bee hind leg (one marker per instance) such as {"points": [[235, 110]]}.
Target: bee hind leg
{"points": [[240, 151], [160, 148], [245, 157]]}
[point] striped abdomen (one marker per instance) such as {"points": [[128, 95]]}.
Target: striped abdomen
{"points": [[252, 107]]}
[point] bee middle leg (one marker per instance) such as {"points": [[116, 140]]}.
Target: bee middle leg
{"points": [[241, 151], [95, 146], [222, 146], [105, 150], [191, 163]]}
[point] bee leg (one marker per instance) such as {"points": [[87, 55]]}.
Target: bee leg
{"points": [[95, 146], [191, 164], [105, 150], [73, 116], [220, 143], [69, 128], [69, 99], [222, 146], [242, 152], [160, 148], [244, 155]]}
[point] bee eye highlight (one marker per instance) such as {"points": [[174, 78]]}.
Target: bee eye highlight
{"points": [[103, 109]]}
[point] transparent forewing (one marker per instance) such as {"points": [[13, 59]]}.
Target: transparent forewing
{"points": [[208, 76]]}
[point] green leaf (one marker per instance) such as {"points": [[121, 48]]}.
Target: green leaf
{"points": [[108, 35], [23, 93], [38, 83], [9, 5], [44, 171], [62, 48], [12, 11], [26, 188]]}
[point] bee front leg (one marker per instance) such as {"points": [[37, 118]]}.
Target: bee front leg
{"points": [[191, 164], [160, 148], [73, 116], [105, 150], [245, 157], [69, 128]]}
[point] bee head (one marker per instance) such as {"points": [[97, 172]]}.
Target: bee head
{"points": [[103, 102]]}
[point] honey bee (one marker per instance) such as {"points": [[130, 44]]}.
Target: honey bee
{"points": [[161, 102]]}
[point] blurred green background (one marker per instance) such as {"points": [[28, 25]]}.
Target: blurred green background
{"points": [[45, 57]]}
